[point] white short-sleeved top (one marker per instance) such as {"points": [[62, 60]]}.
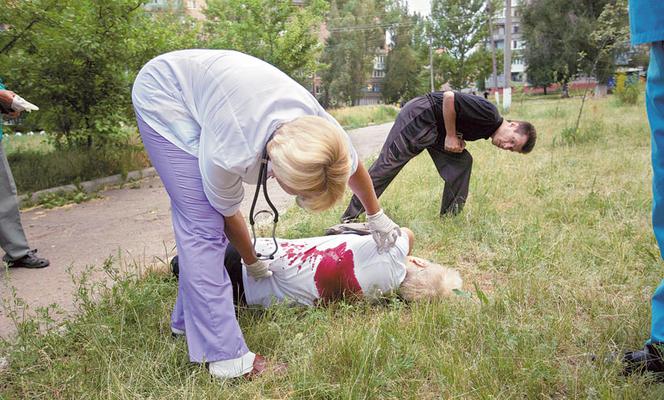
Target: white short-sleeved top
{"points": [[222, 107], [305, 271]]}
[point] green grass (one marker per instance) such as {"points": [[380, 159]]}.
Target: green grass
{"points": [[360, 116], [557, 243]]}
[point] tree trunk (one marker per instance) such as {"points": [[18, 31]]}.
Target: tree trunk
{"points": [[545, 90], [565, 88]]}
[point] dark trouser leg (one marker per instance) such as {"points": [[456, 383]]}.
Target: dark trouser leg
{"points": [[12, 237], [411, 133], [455, 170], [233, 264]]}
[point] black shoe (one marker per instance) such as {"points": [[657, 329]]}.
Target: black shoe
{"points": [[648, 359], [175, 267], [29, 260]]}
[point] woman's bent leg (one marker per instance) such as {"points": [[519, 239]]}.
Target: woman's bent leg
{"points": [[204, 307]]}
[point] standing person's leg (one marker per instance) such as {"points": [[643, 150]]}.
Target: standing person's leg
{"points": [[205, 298], [650, 358], [655, 108], [413, 130], [12, 236], [455, 169]]}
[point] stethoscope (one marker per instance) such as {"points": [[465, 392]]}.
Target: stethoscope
{"points": [[262, 181]]}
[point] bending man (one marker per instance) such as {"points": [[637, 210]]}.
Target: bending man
{"points": [[441, 123]]}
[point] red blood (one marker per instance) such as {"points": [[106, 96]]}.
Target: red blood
{"points": [[335, 275]]}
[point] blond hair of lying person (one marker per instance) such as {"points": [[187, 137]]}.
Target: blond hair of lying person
{"points": [[317, 270]]}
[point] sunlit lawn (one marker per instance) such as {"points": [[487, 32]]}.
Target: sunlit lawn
{"points": [[555, 248]]}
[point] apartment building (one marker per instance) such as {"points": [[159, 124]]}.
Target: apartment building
{"points": [[517, 44], [193, 8]]}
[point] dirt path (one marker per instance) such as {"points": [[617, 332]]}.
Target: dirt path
{"points": [[133, 223]]}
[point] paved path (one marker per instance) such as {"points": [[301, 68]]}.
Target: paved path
{"points": [[133, 223]]}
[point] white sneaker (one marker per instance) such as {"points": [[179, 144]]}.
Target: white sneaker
{"points": [[177, 332], [227, 369]]}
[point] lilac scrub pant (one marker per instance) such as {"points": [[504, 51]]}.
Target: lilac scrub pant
{"points": [[204, 305]]}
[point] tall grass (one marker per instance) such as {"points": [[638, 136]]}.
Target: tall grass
{"points": [[555, 247], [360, 116]]}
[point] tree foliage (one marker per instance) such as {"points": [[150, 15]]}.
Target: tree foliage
{"points": [[356, 30], [77, 59], [403, 69], [459, 27], [559, 44], [276, 31]]}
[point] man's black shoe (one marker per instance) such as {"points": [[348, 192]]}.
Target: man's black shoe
{"points": [[648, 359], [29, 260]]}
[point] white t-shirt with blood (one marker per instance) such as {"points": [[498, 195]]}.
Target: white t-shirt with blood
{"points": [[326, 268]]}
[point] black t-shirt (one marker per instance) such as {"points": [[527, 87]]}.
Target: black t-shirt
{"points": [[476, 117]]}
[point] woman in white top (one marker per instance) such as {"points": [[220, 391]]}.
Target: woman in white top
{"points": [[206, 118]]}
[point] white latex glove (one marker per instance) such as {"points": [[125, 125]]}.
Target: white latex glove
{"points": [[21, 104], [384, 231], [258, 270]]}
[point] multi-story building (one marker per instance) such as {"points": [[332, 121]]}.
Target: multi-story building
{"points": [[517, 44], [372, 92], [193, 8]]}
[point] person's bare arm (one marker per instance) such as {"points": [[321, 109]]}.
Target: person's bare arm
{"points": [[361, 185], [452, 142], [6, 97], [237, 232], [411, 239]]}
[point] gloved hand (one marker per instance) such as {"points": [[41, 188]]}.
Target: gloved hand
{"points": [[384, 231], [21, 104], [258, 270]]}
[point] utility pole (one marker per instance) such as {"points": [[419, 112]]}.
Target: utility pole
{"points": [[431, 61], [494, 71], [507, 61]]}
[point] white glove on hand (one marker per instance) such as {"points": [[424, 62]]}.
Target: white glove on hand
{"points": [[258, 270], [384, 231], [21, 104]]}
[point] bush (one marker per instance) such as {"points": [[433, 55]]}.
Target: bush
{"points": [[626, 90], [35, 170]]}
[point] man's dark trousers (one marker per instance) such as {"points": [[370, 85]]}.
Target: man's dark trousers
{"points": [[412, 132]]}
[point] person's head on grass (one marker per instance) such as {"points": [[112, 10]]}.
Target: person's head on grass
{"points": [[426, 280], [518, 136]]}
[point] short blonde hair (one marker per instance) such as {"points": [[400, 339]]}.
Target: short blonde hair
{"points": [[432, 281], [311, 156]]}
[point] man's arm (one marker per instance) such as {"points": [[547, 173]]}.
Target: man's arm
{"points": [[452, 142]]}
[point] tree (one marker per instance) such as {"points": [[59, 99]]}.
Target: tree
{"points": [[459, 26], [402, 65], [79, 60], [276, 31], [557, 40], [357, 30]]}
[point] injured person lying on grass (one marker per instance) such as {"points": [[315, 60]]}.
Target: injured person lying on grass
{"points": [[317, 270]]}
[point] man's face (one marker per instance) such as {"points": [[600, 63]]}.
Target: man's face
{"points": [[507, 138]]}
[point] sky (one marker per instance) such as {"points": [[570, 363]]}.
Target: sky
{"points": [[421, 6]]}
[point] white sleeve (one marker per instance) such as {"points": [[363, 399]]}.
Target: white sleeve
{"points": [[223, 189]]}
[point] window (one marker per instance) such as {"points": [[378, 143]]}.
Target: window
{"points": [[515, 45], [191, 4], [501, 30], [378, 73], [500, 44], [515, 29]]}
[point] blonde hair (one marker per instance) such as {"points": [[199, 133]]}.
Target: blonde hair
{"points": [[311, 155], [432, 281]]}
